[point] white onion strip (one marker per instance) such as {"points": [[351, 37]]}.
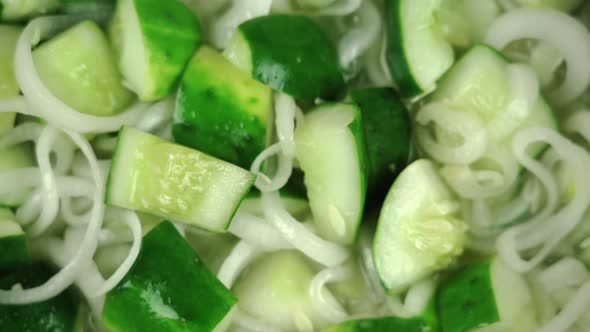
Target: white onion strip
{"points": [[358, 40], [257, 232], [28, 131], [571, 312], [241, 255], [326, 304], [15, 104], [240, 11], [559, 29]]}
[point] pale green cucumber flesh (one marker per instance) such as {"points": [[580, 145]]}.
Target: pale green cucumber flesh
{"points": [[13, 242], [8, 85], [12, 10], [14, 157]]}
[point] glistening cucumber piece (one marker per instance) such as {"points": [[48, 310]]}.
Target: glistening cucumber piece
{"points": [[13, 242], [86, 79], [56, 314], [11, 158], [167, 289], [486, 296], [417, 232], [221, 110], [8, 85], [14, 10], [154, 40], [155, 176], [417, 53], [331, 152], [387, 131], [290, 54]]}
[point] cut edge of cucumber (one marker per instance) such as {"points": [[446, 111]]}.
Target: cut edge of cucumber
{"points": [[238, 52]]}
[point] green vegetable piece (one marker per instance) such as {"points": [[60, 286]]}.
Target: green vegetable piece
{"points": [[56, 314], [78, 67], [290, 54], [8, 85], [383, 324], [11, 158], [387, 131], [13, 242], [155, 176], [220, 110], [154, 40], [15, 10], [167, 289]]}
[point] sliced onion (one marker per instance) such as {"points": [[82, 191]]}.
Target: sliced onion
{"points": [[240, 11], [358, 40]]}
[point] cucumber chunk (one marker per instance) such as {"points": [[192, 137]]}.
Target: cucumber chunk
{"points": [[167, 289], [17, 156], [486, 296], [417, 232], [78, 67], [417, 52], [13, 242], [387, 130], [275, 288], [220, 110], [330, 149], [153, 40], [154, 176], [8, 85], [290, 54], [13, 10], [56, 314]]}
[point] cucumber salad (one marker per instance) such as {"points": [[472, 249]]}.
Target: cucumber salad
{"points": [[295, 165]]}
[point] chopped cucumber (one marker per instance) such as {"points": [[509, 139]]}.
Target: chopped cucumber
{"points": [[154, 176], [78, 67], [275, 288], [563, 5], [383, 324], [486, 296], [167, 289], [154, 40], [57, 314], [8, 85], [13, 10], [417, 52], [13, 242], [417, 232], [220, 110], [387, 130], [331, 151], [290, 54], [17, 156]]}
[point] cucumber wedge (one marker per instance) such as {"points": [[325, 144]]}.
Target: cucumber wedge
{"points": [[167, 289], [8, 85], [17, 156], [486, 296], [15, 10], [13, 242], [387, 130], [417, 52], [220, 110], [55, 314], [154, 176], [154, 40], [417, 232], [86, 79], [290, 54], [331, 152]]}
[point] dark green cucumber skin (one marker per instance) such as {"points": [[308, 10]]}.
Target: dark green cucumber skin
{"points": [[384, 324], [395, 55], [167, 267], [13, 252], [57, 314], [387, 129], [466, 300], [292, 54], [210, 118]]}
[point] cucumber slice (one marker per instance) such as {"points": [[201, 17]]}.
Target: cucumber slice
{"points": [[486, 296], [8, 85], [330, 149], [154, 176], [387, 131], [13, 242], [17, 156], [562, 5], [275, 289], [86, 79], [153, 40], [220, 110], [56, 314], [383, 324], [417, 52], [417, 232], [13, 10], [290, 54], [167, 289]]}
